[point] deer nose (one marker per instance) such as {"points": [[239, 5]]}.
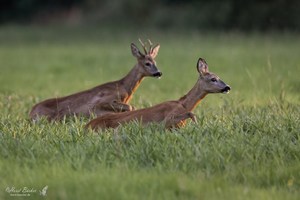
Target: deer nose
{"points": [[157, 74], [226, 89]]}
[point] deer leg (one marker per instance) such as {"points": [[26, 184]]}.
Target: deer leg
{"points": [[116, 106], [179, 120]]}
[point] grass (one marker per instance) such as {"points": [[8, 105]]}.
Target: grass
{"points": [[245, 146]]}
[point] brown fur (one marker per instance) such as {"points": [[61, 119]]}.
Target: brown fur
{"points": [[172, 113], [106, 98]]}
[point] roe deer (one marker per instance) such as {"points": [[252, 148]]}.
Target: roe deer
{"points": [[172, 113], [106, 98]]}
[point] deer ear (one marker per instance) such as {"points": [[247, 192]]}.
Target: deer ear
{"points": [[202, 66], [154, 51], [135, 51]]}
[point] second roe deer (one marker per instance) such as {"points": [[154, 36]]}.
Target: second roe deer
{"points": [[172, 113], [106, 98]]}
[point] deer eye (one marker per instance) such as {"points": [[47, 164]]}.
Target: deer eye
{"points": [[148, 64], [213, 80]]}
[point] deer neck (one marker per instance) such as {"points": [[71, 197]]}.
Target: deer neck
{"points": [[193, 97], [132, 80]]}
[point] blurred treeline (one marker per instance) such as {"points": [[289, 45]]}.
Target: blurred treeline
{"points": [[197, 14]]}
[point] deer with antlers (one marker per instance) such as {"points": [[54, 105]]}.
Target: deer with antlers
{"points": [[172, 113], [106, 98]]}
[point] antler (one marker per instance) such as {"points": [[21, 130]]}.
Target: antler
{"points": [[150, 43], [143, 45]]}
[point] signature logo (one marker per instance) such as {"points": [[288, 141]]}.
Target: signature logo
{"points": [[44, 191], [25, 191]]}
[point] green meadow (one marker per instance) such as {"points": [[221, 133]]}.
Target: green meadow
{"points": [[246, 144]]}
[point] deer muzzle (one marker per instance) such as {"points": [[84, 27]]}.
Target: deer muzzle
{"points": [[226, 89], [157, 74]]}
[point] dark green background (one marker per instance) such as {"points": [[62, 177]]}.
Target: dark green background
{"points": [[262, 15]]}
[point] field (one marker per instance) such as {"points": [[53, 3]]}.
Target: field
{"points": [[246, 144]]}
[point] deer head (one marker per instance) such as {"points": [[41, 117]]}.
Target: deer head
{"points": [[147, 64], [210, 82]]}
